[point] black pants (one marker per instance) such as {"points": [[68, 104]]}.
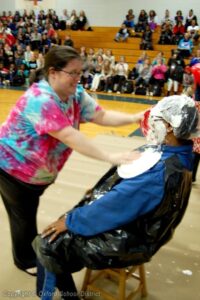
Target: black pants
{"points": [[119, 80], [197, 92], [196, 159], [21, 202]]}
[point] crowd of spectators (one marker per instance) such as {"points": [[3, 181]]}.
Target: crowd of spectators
{"points": [[178, 30], [149, 76], [26, 37]]}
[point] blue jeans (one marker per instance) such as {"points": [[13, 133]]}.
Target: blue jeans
{"points": [[49, 286], [48, 281]]}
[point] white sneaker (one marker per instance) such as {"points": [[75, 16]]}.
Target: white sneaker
{"points": [[109, 91], [118, 92]]}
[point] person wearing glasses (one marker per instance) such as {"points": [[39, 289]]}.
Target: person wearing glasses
{"points": [[38, 137]]}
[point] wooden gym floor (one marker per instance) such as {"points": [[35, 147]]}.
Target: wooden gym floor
{"points": [[173, 273]]}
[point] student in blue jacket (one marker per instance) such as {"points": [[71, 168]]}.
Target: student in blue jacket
{"points": [[133, 207]]}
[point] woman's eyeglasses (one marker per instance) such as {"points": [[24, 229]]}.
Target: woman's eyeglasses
{"points": [[73, 74]]}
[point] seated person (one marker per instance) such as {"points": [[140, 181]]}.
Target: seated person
{"points": [[142, 21], [178, 32], [129, 21], [193, 29], [167, 19], [68, 41], [160, 55], [152, 20], [166, 34], [120, 74], [158, 77], [179, 16], [188, 81], [146, 41], [185, 46], [81, 21], [133, 209], [144, 74], [191, 16], [122, 34]]}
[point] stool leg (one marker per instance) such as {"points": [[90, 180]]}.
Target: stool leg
{"points": [[86, 279], [122, 285], [143, 280]]}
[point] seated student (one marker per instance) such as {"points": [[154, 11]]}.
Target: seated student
{"points": [[185, 46], [179, 16], [178, 32], [189, 18], [106, 76], [63, 19], [97, 73], [160, 55], [45, 44], [108, 55], [81, 21], [142, 21], [167, 19], [193, 29], [8, 76], [129, 21], [166, 34], [146, 41], [152, 20], [122, 34], [133, 209], [120, 74], [68, 41], [72, 20], [3, 73], [188, 81], [158, 77], [144, 73]]}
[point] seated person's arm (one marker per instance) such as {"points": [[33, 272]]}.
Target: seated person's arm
{"points": [[126, 201]]}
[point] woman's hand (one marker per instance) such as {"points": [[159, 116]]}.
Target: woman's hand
{"points": [[123, 158], [55, 229], [138, 116]]}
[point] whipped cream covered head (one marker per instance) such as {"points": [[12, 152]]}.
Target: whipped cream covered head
{"points": [[178, 111]]}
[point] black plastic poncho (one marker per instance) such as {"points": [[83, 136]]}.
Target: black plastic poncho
{"points": [[133, 244]]}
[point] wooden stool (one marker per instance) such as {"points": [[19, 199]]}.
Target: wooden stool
{"points": [[136, 272]]}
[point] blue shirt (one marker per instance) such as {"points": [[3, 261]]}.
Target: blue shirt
{"points": [[129, 199]]}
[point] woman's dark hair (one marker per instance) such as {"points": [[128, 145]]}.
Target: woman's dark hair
{"points": [[57, 57]]}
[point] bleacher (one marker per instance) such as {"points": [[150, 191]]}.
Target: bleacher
{"points": [[103, 37]]}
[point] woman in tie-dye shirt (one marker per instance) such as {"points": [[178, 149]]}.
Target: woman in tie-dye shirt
{"points": [[38, 137]]}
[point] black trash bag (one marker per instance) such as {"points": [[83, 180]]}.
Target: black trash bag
{"points": [[51, 254], [156, 90], [127, 87], [141, 90], [133, 74], [133, 244]]}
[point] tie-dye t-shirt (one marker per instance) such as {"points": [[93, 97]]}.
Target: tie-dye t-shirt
{"points": [[27, 151]]}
